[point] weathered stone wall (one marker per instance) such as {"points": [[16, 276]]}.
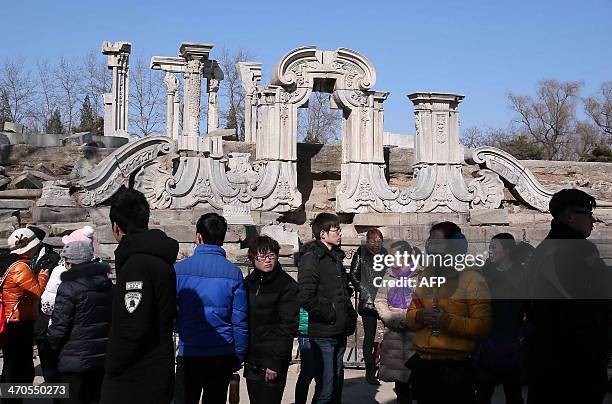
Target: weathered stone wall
{"points": [[318, 174]]}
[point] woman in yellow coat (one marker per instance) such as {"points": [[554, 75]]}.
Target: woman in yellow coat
{"points": [[449, 312]]}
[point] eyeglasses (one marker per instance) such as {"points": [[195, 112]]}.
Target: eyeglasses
{"points": [[337, 231], [584, 212], [263, 258]]}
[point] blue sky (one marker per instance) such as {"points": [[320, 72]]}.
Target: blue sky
{"points": [[482, 49]]}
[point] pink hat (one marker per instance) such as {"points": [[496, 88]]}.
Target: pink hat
{"points": [[84, 234]]}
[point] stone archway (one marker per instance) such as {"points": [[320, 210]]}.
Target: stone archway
{"points": [[349, 77]]}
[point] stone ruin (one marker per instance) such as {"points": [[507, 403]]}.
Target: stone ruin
{"points": [[255, 183]]}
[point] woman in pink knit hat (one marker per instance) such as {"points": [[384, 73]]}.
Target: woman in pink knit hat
{"points": [[48, 298]]}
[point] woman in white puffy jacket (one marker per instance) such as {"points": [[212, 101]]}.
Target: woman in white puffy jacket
{"points": [[47, 301], [392, 302]]}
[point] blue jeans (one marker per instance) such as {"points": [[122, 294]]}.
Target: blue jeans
{"points": [[307, 371], [328, 355]]}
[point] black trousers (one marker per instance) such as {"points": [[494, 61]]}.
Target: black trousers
{"points": [[403, 393], [18, 364], [262, 392], [442, 381], [369, 333], [48, 358], [85, 387], [568, 384], [205, 376]]}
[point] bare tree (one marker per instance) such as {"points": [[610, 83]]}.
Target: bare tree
{"points": [[232, 92], [96, 80], [47, 98], [474, 137], [68, 78], [550, 118], [599, 109], [318, 123], [584, 141], [19, 88], [146, 108]]}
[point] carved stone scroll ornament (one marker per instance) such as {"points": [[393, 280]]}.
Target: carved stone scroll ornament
{"points": [[521, 182], [155, 181], [363, 188], [488, 190], [108, 176]]}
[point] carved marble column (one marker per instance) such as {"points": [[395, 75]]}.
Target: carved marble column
{"points": [[192, 63], [250, 75], [194, 54], [118, 60], [172, 112], [438, 154]]}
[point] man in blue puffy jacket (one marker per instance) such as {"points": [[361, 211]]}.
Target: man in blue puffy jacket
{"points": [[212, 317]]}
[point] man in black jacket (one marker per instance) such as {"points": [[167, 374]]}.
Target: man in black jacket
{"points": [[324, 293], [140, 356], [569, 291], [81, 318]]}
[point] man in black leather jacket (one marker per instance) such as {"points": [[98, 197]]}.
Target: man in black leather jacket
{"points": [[362, 276]]}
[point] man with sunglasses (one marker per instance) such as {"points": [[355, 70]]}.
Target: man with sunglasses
{"points": [[570, 289]]}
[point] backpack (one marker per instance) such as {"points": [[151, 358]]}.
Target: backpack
{"points": [[3, 319]]}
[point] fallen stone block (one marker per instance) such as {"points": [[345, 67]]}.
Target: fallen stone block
{"points": [[16, 203], [6, 228], [27, 181], [62, 229], [59, 215], [43, 169], [4, 181], [20, 194], [14, 220], [42, 176], [7, 214]]}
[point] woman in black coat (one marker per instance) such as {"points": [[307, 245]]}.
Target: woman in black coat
{"points": [[273, 323], [79, 327]]}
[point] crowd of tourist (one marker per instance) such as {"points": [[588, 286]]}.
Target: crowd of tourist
{"points": [[532, 320]]}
